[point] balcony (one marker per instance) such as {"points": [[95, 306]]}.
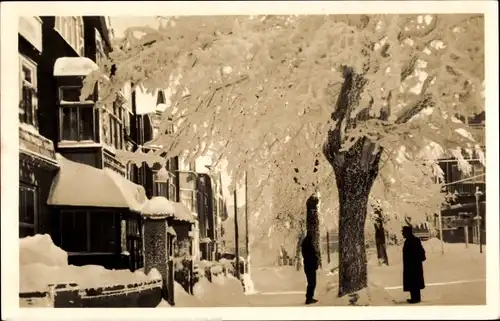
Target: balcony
{"points": [[466, 188]]}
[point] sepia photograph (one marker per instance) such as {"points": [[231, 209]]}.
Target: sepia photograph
{"points": [[251, 159]]}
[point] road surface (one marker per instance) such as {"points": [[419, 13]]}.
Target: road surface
{"points": [[284, 286]]}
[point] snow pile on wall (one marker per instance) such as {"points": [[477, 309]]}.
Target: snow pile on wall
{"points": [[36, 277], [158, 205], [40, 249], [42, 263]]}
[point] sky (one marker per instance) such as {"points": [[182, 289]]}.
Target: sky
{"points": [[120, 23]]}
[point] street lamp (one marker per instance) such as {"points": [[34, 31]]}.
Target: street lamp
{"points": [[478, 218]]}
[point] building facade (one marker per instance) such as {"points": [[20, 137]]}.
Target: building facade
{"points": [[69, 171], [464, 187]]}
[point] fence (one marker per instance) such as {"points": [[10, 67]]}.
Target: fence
{"points": [[70, 295]]}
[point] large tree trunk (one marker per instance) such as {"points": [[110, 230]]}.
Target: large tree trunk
{"points": [[312, 223], [380, 241], [353, 195], [355, 171]]}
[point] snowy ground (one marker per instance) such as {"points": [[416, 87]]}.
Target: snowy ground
{"points": [[456, 277]]}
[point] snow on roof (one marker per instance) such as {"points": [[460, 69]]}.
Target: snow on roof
{"points": [[182, 213], [158, 206], [74, 66], [81, 185]]}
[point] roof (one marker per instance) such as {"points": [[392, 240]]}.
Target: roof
{"points": [[158, 207], [182, 213], [74, 66], [82, 185]]}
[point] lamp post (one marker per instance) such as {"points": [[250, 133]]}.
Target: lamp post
{"points": [[478, 218], [247, 243], [236, 236]]}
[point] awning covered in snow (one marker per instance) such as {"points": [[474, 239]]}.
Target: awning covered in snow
{"points": [[158, 207], [74, 66], [182, 213], [81, 185]]}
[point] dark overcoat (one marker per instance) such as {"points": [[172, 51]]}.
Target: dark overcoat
{"points": [[413, 271], [309, 255]]}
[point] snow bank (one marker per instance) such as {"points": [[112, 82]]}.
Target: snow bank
{"points": [[40, 249], [42, 263], [248, 284], [373, 295], [222, 291], [432, 245], [184, 299], [36, 277]]}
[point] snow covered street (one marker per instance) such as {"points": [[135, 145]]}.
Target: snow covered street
{"points": [[456, 277]]}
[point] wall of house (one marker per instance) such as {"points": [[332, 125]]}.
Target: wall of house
{"points": [[39, 175], [37, 165]]}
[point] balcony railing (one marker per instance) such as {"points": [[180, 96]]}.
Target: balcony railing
{"points": [[466, 188]]}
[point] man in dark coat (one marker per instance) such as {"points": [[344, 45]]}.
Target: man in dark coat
{"points": [[413, 271], [310, 257]]}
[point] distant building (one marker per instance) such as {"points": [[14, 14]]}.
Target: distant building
{"points": [[464, 187]]}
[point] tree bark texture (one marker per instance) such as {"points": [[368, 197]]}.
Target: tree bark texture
{"points": [[312, 223], [380, 241], [355, 171], [298, 252]]}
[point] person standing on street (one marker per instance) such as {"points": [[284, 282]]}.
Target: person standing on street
{"points": [[310, 257], [413, 271]]}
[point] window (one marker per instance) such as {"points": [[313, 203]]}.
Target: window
{"points": [[77, 118], [160, 185], [74, 231], [112, 125], [102, 228], [71, 29], [27, 91], [28, 210], [130, 172], [85, 231], [456, 174], [172, 188], [189, 199], [99, 47]]}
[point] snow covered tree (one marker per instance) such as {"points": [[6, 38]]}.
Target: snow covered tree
{"points": [[353, 87]]}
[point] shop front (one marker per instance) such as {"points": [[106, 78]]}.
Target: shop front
{"points": [[97, 216]]}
